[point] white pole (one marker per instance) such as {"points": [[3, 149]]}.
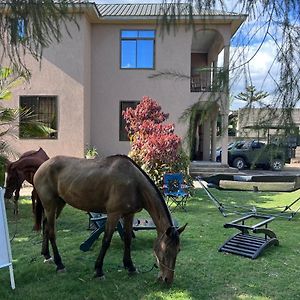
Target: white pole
{"points": [[5, 250], [12, 278]]}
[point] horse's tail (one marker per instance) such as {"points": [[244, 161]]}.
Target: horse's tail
{"points": [[38, 214]]}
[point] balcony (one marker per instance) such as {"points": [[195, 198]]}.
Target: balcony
{"points": [[207, 79]]}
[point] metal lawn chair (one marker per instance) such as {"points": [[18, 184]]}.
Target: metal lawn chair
{"points": [[175, 191], [97, 222]]}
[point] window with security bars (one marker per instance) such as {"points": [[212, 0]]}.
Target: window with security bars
{"points": [[123, 134], [39, 117]]}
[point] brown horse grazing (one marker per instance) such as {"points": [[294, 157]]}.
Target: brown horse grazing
{"points": [[115, 186], [19, 171]]}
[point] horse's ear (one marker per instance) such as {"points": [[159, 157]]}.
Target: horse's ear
{"points": [[181, 229], [169, 231]]}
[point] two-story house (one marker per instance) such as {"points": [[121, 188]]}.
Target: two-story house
{"points": [[84, 82]]}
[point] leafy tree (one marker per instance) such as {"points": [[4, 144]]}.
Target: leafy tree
{"points": [[275, 21], [154, 145], [251, 97]]}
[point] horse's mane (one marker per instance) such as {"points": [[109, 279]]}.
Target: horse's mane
{"points": [[150, 181]]}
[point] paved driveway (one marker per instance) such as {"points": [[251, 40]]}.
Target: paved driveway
{"points": [[288, 170]]}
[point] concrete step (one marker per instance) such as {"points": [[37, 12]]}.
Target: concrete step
{"points": [[208, 168]]}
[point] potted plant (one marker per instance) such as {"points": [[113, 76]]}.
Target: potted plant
{"points": [[91, 152]]}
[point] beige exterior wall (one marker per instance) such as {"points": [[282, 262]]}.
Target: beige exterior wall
{"points": [[64, 72], [84, 73], [110, 84]]}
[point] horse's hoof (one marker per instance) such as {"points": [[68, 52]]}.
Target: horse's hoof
{"points": [[99, 277], [48, 260], [133, 272], [61, 270]]}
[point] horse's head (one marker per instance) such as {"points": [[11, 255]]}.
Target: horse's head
{"points": [[13, 180], [166, 248]]}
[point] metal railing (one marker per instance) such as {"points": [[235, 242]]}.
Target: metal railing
{"points": [[206, 79]]}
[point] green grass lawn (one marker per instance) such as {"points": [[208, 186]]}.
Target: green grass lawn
{"points": [[201, 271]]}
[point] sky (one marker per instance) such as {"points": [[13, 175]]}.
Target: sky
{"points": [[258, 67]]}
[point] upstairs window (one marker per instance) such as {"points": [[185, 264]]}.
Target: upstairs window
{"points": [[137, 49], [42, 111]]}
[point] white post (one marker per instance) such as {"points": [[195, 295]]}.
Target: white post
{"points": [[5, 250], [12, 278]]}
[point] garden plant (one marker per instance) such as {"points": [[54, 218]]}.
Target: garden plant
{"points": [[154, 144]]}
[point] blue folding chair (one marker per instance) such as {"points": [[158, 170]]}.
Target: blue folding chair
{"points": [[175, 191]]}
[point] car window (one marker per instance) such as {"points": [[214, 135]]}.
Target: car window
{"points": [[256, 145], [246, 145], [239, 145]]}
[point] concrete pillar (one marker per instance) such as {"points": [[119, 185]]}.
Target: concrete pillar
{"points": [[214, 65], [214, 137], [225, 107], [224, 120]]}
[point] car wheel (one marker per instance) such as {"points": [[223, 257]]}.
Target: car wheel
{"points": [[239, 163], [276, 164]]}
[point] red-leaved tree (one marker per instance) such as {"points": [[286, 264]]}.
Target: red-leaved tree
{"points": [[154, 145]]}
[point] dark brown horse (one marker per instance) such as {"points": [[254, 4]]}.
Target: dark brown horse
{"points": [[116, 186], [19, 171]]}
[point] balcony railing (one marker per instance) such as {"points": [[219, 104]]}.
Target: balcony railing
{"points": [[205, 79]]}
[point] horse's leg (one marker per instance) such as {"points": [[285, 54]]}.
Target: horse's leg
{"points": [[16, 199], [54, 215], [45, 244], [33, 200], [51, 216], [127, 261], [111, 223]]}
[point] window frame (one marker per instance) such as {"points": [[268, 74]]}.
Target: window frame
{"points": [[122, 130], [55, 110], [136, 39]]}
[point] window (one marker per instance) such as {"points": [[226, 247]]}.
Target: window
{"points": [[43, 111], [137, 49], [21, 28], [123, 135]]}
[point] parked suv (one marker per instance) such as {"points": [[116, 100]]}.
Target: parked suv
{"points": [[232, 145], [255, 153]]}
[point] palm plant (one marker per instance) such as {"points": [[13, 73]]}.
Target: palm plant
{"points": [[9, 117]]}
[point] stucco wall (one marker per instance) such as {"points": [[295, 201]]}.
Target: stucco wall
{"points": [[84, 72], [110, 84], [64, 72]]}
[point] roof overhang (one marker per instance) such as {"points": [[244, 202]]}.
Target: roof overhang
{"points": [[93, 14], [90, 10], [234, 21]]}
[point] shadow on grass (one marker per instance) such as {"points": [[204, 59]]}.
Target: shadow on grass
{"points": [[276, 201]]}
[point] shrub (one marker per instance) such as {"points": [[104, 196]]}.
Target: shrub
{"points": [[154, 145]]}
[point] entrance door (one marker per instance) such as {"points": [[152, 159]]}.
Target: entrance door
{"points": [[198, 153]]}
